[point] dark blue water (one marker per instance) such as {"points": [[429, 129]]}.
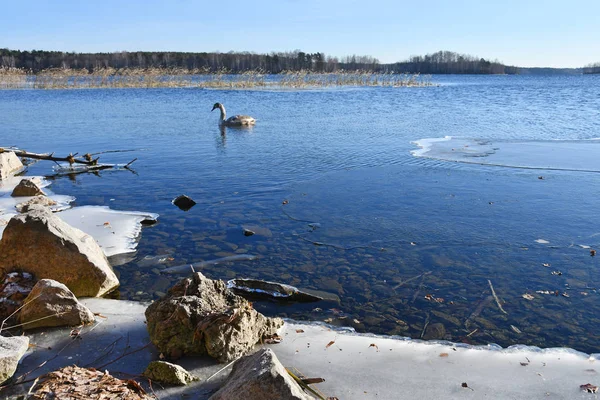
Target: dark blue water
{"points": [[341, 158]]}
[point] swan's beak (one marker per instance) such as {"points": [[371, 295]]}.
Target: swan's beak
{"points": [[213, 109]]}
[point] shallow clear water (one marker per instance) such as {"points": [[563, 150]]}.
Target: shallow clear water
{"points": [[342, 159]]}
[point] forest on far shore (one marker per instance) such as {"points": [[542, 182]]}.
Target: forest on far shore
{"points": [[441, 62]]}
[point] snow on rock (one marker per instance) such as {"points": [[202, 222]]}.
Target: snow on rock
{"points": [[9, 164]]}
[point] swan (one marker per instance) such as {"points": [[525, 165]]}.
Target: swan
{"points": [[236, 120]]}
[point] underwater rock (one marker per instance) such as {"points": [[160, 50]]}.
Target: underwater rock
{"points": [[27, 188], [184, 202], [260, 376], [277, 291], [435, 331], [9, 164], [201, 316], [11, 350], [51, 303], [171, 374], [41, 243]]}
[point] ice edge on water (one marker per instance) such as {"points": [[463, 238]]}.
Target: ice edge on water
{"points": [[557, 154], [117, 232]]}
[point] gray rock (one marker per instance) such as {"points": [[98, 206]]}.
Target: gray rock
{"points": [[27, 188], [435, 331], [37, 200], [260, 376], [9, 164], [51, 303], [42, 244], [165, 372], [11, 351], [201, 316]]}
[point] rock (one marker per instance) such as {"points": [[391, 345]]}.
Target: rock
{"points": [[13, 290], [201, 316], [37, 200], [89, 384], [27, 188], [51, 303], [11, 350], [171, 374], [42, 244], [248, 232], [9, 164], [184, 202], [435, 332], [260, 376]]}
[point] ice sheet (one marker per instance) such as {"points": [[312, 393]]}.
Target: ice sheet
{"points": [[580, 155], [354, 366], [115, 231]]}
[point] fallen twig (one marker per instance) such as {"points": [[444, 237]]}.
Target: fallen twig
{"points": [[496, 297]]}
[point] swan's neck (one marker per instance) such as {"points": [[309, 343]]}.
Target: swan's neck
{"points": [[223, 114]]}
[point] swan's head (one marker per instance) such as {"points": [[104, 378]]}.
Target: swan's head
{"points": [[217, 105]]}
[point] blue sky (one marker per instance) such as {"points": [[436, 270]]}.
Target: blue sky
{"points": [[525, 33]]}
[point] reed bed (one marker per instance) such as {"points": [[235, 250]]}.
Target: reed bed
{"points": [[180, 78]]}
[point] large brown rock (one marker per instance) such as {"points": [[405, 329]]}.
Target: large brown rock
{"points": [[260, 376], [9, 164], [201, 316], [41, 243], [25, 188], [51, 303]]}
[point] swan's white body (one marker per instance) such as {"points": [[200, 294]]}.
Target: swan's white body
{"points": [[236, 120]]}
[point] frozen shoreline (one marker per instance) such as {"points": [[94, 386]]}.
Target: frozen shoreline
{"points": [[354, 366]]}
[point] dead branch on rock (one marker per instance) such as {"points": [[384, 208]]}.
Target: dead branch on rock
{"points": [[87, 159]]}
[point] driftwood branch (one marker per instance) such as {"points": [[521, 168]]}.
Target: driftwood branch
{"points": [[87, 159], [71, 159]]}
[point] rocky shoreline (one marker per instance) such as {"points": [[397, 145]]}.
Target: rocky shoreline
{"points": [[60, 339]]}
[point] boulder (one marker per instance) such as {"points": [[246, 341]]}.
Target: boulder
{"points": [[202, 316], [41, 243], [9, 164], [165, 372], [51, 303], [14, 288], [11, 350], [260, 376], [27, 188], [40, 200]]}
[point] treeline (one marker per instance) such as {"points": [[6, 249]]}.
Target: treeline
{"points": [[442, 62], [592, 68], [234, 62], [449, 62]]}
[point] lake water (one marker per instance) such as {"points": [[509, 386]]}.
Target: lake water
{"points": [[406, 242]]}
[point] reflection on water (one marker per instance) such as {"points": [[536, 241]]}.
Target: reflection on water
{"points": [[407, 243]]}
